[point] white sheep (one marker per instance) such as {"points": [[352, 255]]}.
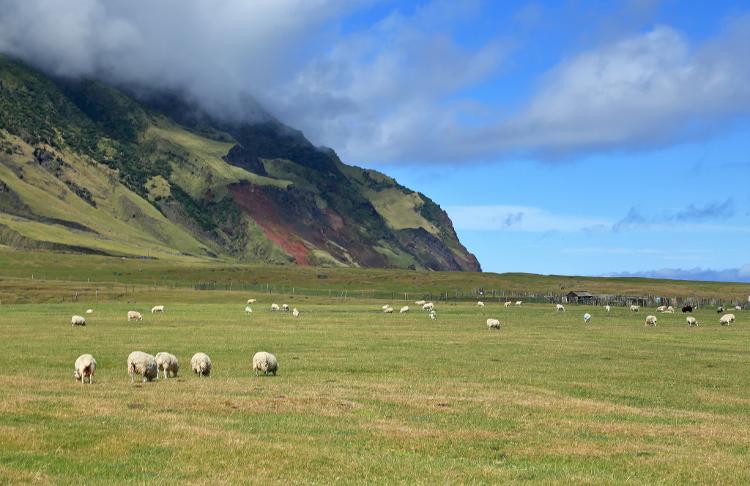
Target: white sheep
{"points": [[634, 308], [248, 309], [560, 308], [388, 310], [480, 304], [134, 315], [140, 363], [670, 309], [661, 308], [200, 363], [77, 321], [420, 302], [508, 304], [692, 321], [89, 311], [385, 306], [493, 324], [167, 363], [265, 363], [274, 307], [519, 302], [726, 319], [429, 306], [404, 309], [737, 307], [586, 317], [157, 308], [650, 321], [251, 301], [285, 307], [85, 366], [295, 312], [607, 308], [433, 315]]}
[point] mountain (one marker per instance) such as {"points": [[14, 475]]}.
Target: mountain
{"points": [[87, 167]]}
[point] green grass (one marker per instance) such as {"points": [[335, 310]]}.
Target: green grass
{"points": [[364, 397]]}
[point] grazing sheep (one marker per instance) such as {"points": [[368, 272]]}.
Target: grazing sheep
{"points": [[385, 306], [737, 307], [285, 307], [651, 321], [77, 321], [274, 307], [508, 304], [167, 363], [720, 309], [89, 311], [388, 310], [420, 302], [248, 309], [429, 306], [134, 315], [265, 363], [200, 363], [607, 308], [85, 366], [295, 312], [669, 310], [480, 303], [687, 308], [560, 308], [692, 321], [726, 319], [493, 324], [635, 308], [661, 308], [251, 301], [433, 315], [157, 308], [519, 302], [404, 309], [586, 317], [140, 363]]}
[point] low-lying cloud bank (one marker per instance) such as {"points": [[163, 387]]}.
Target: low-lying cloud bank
{"points": [[741, 274]]}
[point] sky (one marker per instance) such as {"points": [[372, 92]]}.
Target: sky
{"points": [[562, 137]]}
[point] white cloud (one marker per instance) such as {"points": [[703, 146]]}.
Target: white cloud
{"points": [[518, 218]]}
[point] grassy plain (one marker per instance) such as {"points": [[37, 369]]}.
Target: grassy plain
{"points": [[364, 397]]}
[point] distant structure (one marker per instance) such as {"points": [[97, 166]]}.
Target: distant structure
{"points": [[580, 297]]}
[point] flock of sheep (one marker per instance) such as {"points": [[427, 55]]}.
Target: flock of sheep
{"points": [[725, 320], [148, 367]]}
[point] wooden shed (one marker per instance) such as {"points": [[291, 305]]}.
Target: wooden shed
{"points": [[580, 297]]}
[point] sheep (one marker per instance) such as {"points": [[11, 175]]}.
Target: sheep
{"points": [[726, 319], [519, 302], [480, 304], [420, 302], [200, 363], [274, 307], [692, 321], [140, 363], [508, 304], [687, 308], [248, 309], [607, 308], [85, 366], [635, 308], [167, 363], [404, 309], [134, 315], [433, 315], [157, 308], [388, 310], [77, 321], [737, 307], [651, 321], [285, 307], [295, 312], [661, 308], [586, 317], [429, 306], [265, 362], [493, 324], [251, 301], [89, 311], [669, 310], [720, 309], [385, 306], [560, 308]]}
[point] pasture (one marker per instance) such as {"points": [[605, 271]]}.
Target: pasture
{"points": [[364, 397]]}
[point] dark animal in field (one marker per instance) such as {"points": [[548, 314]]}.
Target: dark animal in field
{"points": [[687, 308], [720, 309]]}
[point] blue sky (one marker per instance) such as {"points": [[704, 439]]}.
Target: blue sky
{"points": [[569, 137]]}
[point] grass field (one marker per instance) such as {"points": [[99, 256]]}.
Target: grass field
{"points": [[364, 397]]}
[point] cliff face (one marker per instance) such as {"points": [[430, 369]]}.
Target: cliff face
{"points": [[86, 167]]}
